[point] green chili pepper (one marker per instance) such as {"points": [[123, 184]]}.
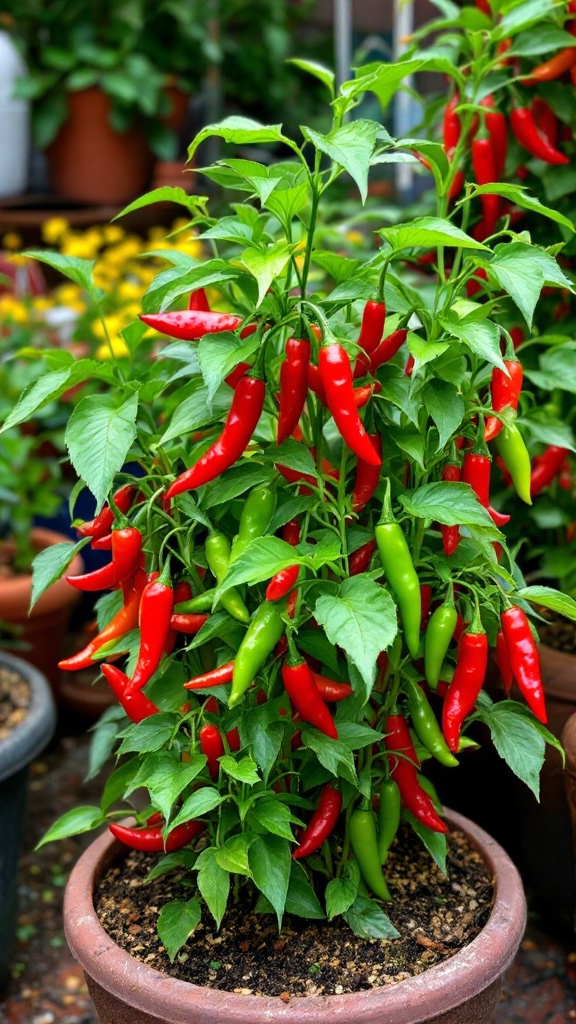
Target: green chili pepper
{"points": [[364, 842], [439, 633], [388, 817], [218, 558], [510, 444], [256, 513], [426, 726], [397, 563], [201, 603], [262, 635]]}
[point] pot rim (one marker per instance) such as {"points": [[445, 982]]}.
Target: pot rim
{"points": [[35, 731], [17, 590], [440, 989]]}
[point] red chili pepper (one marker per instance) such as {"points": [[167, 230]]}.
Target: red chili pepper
{"points": [[457, 185], [182, 593], [215, 677], [554, 68], [531, 139], [233, 739], [425, 601], [361, 394], [404, 771], [150, 838], [467, 681], [155, 615], [303, 692], [321, 823], [503, 662], [330, 690], [283, 581], [126, 549], [293, 386], [476, 470], [102, 524], [450, 534], [387, 348], [546, 467], [517, 336], [360, 559], [524, 659], [451, 125], [336, 376], [199, 300], [497, 128], [124, 620], [485, 167], [241, 423], [212, 745], [372, 328], [367, 477], [484, 6], [136, 705], [565, 476], [410, 363], [235, 376], [546, 119], [190, 324], [505, 390], [189, 623]]}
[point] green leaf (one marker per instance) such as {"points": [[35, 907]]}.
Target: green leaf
{"points": [[557, 368], [265, 739], [213, 883], [274, 816], [350, 146], [520, 274], [332, 754], [118, 783], [521, 16], [301, 899], [435, 842], [362, 621], [150, 734], [176, 922], [451, 504], [445, 407], [198, 804], [381, 78], [233, 855], [264, 557], [37, 394], [427, 233], [355, 735], [517, 739], [98, 437], [340, 895], [563, 604], [234, 482], [265, 265], [180, 858], [312, 67], [241, 131], [270, 863], [165, 778], [294, 455], [75, 269], [518, 195], [49, 565], [368, 921], [245, 770], [73, 823], [481, 336], [166, 194], [196, 411]]}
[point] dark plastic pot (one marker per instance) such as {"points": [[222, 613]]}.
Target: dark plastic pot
{"points": [[16, 752], [462, 990]]}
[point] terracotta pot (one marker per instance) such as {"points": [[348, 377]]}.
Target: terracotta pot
{"points": [[44, 629], [569, 744], [462, 990], [92, 163]]}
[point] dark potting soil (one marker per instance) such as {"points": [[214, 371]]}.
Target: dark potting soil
{"points": [[14, 700], [435, 915], [558, 633]]}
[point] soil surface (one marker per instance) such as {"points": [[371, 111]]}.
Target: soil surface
{"points": [[14, 700], [435, 914]]}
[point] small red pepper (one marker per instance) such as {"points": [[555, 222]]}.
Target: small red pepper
{"points": [[293, 386], [305, 696], [283, 581], [124, 620], [212, 745], [126, 549], [451, 125], [404, 771], [330, 690], [360, 559], [485, 167], [546, 119], [467, 681], [531, 139], [476, 470], [387, 348], [215, 677], [155, 615], [503, 662], [450, 534], [372, 328], [524, 659], [505, 390], [199, 300], [190, 324], [546, 467], [497, 128], [321, 823], [241, 423], [101, 525], [150, 838], [136, 705], [367, 477], [235, 376], [336, 376], [189, 623]]}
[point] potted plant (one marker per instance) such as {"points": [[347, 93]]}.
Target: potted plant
{"points": [[125, 72], [306, 579]]}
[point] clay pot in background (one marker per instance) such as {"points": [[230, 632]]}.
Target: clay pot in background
{"points": [[462, 990], [43, 630], [92, 163], [569, 744]]}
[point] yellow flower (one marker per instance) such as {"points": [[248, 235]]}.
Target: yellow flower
{"points": [[69, 295], [17, 260], [129, 290], [53, 229], [12, 240], [112, 233], [119, 348]]}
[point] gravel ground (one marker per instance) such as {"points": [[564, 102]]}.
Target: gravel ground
{"points": [[48, 986]]}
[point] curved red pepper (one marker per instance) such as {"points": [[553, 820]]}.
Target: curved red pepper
{"points": [[330, 690], [531, 139], [215, 677], [293, 386], [101, 525], [124, 620], [212, 745], [404, 771], [235, 376], [485, 167], [367, 477], [467, 681], [336, 376], [546, 119], [136, 705], [126, 549], [190, 324], [387, 348], [321, 823], [546, 467], [156, 606], [476, 470], [241, 423], [503, 662], [305, 696], [372, 327], [505, 390], [360, 559], [190, 622], [149, 837], [497, 128], [524, 659]]}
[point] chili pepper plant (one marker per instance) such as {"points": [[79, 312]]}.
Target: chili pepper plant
{"points": [[308, 572]]}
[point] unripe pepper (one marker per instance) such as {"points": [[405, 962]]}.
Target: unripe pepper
{"points": [[512, 448], [321, 823], [425, 725], [262, 635], [217, 550], [256, 513], [437, 640], [467, 681], [388, 817], [364, 843], [396, 560]]}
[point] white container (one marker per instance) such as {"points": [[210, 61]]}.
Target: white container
{"points": [[14, 123]]}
